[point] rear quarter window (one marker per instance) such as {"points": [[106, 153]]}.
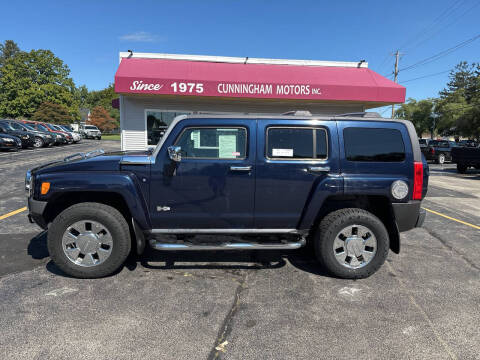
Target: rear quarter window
{"points": [[373, 144]]}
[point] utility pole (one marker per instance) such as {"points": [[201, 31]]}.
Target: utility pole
{"points": [[397, 56]]}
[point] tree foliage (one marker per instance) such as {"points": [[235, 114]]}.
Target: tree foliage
{"points": [[100, 117], [8, 50], [29, 79], [420, 113], [103, 98], [52, 113]]}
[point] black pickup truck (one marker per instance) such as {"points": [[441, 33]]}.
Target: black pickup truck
{"points": [[439, 150], [466, 157]]}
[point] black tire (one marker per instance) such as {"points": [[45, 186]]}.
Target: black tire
{"points": [[39, 143], [327, 232], [106, 215], [461, 168]]}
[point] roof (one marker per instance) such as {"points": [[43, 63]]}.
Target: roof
{"points": [[270, 79]]}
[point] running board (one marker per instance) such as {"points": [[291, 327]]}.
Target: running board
{"points": [[228, 246]]}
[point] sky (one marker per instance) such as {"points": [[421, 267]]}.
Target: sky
{"points": [[88, 35]]}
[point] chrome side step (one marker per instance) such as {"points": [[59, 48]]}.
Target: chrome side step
{"points": [[228, 245]]}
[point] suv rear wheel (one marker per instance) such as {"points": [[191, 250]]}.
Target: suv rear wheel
{"points": [[89, 240], [351, 243]]}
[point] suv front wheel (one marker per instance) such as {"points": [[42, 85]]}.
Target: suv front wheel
{"points": [[351, 243], [89, 240]]}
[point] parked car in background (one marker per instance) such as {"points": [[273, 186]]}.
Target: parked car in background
{"points": [[27, 138], [467, 143], [42, 138], [423, 142], [58, 137], [91, 132], [76, 136], [439, 150], [58, 130], [466, 157], [9, 142]]}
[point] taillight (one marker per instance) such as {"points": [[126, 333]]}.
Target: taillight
{"points": [[417, 180], [432, 151]]}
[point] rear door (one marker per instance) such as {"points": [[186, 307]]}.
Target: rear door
{"points": [[293, 158]]}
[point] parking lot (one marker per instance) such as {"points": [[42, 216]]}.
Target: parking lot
{"points": [[423, 303]]}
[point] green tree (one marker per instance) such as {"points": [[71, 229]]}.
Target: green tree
{"points": [[420, 113], [8, 50], [52, 113], [458, 106], [29, 79], [103, 98]]}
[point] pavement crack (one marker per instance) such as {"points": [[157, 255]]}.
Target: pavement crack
{"points": [[445, 346], [227, 325], [451, 248]]}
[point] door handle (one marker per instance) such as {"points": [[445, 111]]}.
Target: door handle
{"points": [[319, 168], [240, 168]]}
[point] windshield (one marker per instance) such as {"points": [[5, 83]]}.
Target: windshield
{"points": [[42, 128], [91, 127], [8, 126], [66, 127], [438, 143]]}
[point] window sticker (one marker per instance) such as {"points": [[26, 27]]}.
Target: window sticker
{"points": [[195, 136], [282, 152], [227, 146]]}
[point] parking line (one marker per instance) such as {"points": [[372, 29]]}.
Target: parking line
{"points": [[451, 218], [18, 211]]}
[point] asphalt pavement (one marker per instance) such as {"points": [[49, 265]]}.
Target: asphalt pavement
{"points": [[422, 304]]}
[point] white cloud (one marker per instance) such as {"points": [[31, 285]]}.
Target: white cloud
{"points": [[141, 36]]}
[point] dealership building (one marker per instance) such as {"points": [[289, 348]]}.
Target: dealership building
{"points": [[155, 88]]}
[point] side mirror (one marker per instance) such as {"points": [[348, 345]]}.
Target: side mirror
{"points": [[174, 152]]}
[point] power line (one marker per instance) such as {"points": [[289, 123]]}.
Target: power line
{"points": [[439, 30], [441, 54], [423, 77]]}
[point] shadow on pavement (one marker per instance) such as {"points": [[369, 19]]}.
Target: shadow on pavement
{"points": [[37, 247]]}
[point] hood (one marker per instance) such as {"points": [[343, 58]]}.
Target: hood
{"points": [[94, 161], [6, 136]]}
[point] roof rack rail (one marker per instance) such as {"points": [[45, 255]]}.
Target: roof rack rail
{"points": [[298, 113], [361, 114]]}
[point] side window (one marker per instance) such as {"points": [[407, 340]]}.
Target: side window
{"points": [[213, 143], [293, 143], [374, 145]]}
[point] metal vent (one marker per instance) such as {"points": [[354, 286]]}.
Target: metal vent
{"points": [[361, 114], [298, 113]]}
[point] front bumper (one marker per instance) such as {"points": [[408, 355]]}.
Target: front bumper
{"points": [[408, 215], [35, 212]]}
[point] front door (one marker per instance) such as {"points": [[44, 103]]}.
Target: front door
{"points": [[213, 184]]}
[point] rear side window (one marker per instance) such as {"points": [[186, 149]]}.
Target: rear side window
{"points": [[374, 145], [291, 143]]}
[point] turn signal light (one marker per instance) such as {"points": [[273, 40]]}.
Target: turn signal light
{"points": [[417, 180], [45, 187]]}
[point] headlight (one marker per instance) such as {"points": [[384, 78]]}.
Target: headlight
{"points": [[9, 140], [25, 137], [399, 189], [59, 137]]}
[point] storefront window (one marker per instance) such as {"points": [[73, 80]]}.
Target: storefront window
{"points": [[157, 123]]}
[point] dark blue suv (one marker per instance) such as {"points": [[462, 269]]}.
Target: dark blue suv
{"points": [[347, 184]]}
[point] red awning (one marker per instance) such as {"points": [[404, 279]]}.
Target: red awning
{"points": [[202, 78]]}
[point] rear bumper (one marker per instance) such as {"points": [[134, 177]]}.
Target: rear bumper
{"points": [[408, 215], [35, 212]]}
